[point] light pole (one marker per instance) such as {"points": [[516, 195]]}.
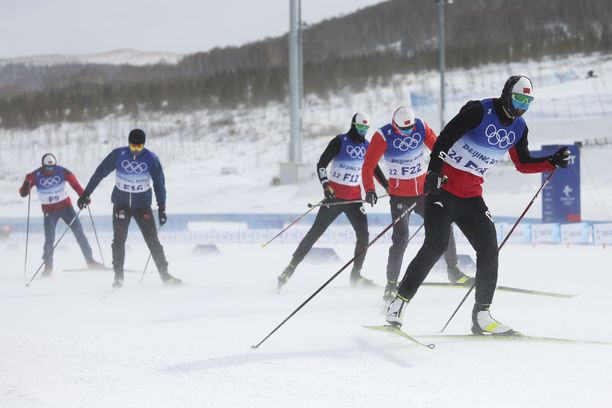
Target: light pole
{"points": [[442, 58], [295, 82], [294, 171]]}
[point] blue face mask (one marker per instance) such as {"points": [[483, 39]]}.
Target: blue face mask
{"points": [[49, 168], [405, 131]]}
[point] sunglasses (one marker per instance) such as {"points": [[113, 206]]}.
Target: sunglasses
{"points": [[136, 146]]}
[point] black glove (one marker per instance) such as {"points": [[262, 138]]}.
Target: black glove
{"points": [[329, 192], [371, 197], [83, 201], [560, 158], [25, 189], [433, 182], [161, 212]]}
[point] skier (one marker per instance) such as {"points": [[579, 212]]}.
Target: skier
{"points": [[135, 167], [345, 154], [402, 145], [50, 182], [470, 144]]}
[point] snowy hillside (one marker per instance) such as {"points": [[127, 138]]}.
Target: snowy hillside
{"points": [[115, 57], [194, 147]]}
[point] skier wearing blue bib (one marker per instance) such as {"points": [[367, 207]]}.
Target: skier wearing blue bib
{"points": [[344, 155], [135, 168], [467, 148]]}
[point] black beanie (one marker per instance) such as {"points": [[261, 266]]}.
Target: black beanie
{"points": [[137, 136]]}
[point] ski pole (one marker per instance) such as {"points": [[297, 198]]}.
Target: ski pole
{"points": [[54, 245], [96, 234], [502, 244], [321, 204], [148, 260], [293, 223], [346, 265], [25, 262]]}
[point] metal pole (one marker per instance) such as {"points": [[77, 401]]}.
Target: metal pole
{"points": [[25, 261], [96, 234], [295, 152], [442, 46]]}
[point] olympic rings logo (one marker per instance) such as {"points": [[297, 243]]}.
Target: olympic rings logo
{"points": [[499, 137], [356, 152], [407, 143], [50, 181], [134, 167]]}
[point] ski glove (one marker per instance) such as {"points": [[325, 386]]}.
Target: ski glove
{"points": [[25, 189], [433, 182], [371, 197], [560, 158], [83, 201], [328, 190], [161, 212]]}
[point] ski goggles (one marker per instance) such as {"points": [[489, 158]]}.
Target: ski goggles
{"points": [[136, 147], [521, 101], [362, 129]]}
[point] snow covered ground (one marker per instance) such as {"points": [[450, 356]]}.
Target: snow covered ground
{"points": [[72, 341]]}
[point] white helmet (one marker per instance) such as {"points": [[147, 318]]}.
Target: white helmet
{"points": [[48, 160], [517, 95], [361, 123], [403, 121]]}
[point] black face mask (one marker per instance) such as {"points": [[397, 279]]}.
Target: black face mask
{"points": [[354, 134]]}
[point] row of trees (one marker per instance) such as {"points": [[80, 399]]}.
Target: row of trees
{"points": [[373, 44]]}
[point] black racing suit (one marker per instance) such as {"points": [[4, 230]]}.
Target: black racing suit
{"points": [[146, 222], [354, 212], [470, 214]]}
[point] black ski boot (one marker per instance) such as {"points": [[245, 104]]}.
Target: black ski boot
{"points": [[118, 280], [358, 281], [390, 292], [170, 280], [284, 277], [47, 271]]}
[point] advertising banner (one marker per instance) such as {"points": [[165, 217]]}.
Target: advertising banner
{"points": [[561, 197], [579, 233], [545, 233], [602, 234]]}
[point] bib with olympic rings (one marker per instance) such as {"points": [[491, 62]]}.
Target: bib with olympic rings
{"points": [[405, 156], [132, 175], [51, 188], [345, 168], [479, 149]]}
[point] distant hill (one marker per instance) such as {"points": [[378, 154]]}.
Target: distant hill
{"points": [[395, 36], [115, 57]]}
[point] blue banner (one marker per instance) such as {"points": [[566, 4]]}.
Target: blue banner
{"points": [[561, 197]]}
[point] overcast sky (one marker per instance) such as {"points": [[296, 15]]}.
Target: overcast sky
{"points": [[39, 27]]}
